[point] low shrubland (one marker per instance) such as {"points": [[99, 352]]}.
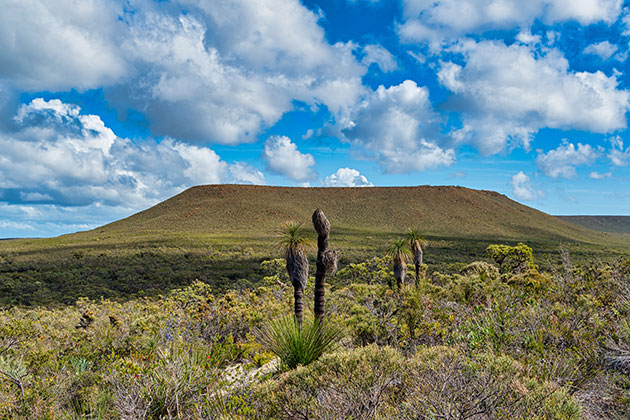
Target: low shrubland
{"points": [[498, 339]]}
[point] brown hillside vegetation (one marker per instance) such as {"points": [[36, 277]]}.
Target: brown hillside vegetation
{"points": [[437, 211], [613, 224]]}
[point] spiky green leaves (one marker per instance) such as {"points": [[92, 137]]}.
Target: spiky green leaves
{"points": [[293, 241], [416, 241], [296, 345], [399, 249], [292, 237]]}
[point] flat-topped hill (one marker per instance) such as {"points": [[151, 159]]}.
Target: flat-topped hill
{"points": [[221, 233], [436, 211]]}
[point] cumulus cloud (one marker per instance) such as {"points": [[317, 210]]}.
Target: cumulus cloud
{"points": [[283, 157], [617, 155], [507, 93], [597, 175], [526, 37], [200, 71], [61, 45], [523, 189], [437, 21], [398, 128], [347, 177], [242, 173], [35, 196], [604, 49], [378, 55], [60, 155], [561, 162], [36, 220], [625, 20]]}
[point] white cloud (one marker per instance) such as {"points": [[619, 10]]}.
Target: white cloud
{"points": [[526, 37], [617, 155], [508, 93], [603, 49], [60, 45], [523, 189], [242, 173], [283, 157], [15, 226], [561, 162], [437, 21], [398, 128], [597, 175], [50, 220], [35, 196], [347, 177], [200, 71], [225, 70], [626, 21], [378, 55], [62, 156]]}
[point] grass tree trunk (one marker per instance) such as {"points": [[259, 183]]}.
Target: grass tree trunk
{"points": [[298, 305], [417, 260], [400, 271], [326, 261], [297, 267]]}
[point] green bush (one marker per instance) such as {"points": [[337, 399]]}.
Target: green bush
{"points": [[512, 259]]}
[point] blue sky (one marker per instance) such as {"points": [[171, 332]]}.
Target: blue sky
{"points": [[110, 106]]}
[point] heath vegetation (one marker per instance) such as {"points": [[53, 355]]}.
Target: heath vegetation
{"points": [[500, 339], [383, 324]]}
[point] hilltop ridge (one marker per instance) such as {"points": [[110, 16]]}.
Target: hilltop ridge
{"points": [[436, 210]]}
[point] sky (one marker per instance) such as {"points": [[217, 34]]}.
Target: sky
{"points": [[108, 107]]}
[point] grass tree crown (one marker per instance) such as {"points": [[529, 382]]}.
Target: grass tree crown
{"points": [[399, 250], [416, 240], [292, 238]]}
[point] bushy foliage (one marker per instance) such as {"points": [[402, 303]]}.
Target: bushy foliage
{"points": [[436, 382], [533, 344], [376, 270], [512, 259]]}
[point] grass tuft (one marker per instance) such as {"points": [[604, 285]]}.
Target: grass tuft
{"points": [[300, 346]]}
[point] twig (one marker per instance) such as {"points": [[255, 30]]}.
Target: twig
{"points": [[16, 380]]}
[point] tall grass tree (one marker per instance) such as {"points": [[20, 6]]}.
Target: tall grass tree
{"points": [[399, 251], [326, 262], [417, 243], [293, 241]]}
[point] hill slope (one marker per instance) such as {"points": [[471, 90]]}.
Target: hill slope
{"points": [[437, 211], [614, 224], [221, 233]]}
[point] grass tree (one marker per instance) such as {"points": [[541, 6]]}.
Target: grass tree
{"points": [[326, 262], [399, 251], [417, 243], [293, 241]]}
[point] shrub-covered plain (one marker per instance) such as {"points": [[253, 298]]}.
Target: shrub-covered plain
{"points": [[220, 234], [498, 339]]}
